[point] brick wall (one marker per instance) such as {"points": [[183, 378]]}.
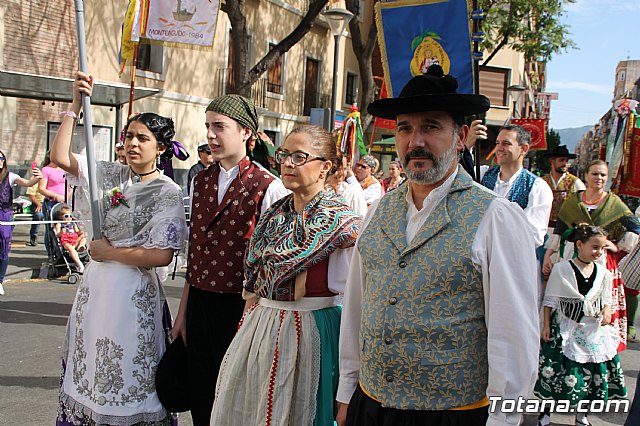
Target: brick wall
{"points": [[40, 38]]}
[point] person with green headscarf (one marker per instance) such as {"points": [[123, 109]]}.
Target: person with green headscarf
{"points": [[227, 200]]}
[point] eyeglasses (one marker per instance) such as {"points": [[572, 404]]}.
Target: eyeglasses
{"points": [[298, 158], [67, 216]]}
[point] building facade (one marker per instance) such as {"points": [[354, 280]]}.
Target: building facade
{"points": [[38, 39], [627, 72]]}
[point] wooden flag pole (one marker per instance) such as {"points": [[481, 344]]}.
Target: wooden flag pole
{"points": [[134, 65], [476, 78]]}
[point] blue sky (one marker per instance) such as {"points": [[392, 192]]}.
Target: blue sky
{"points": [[604, 31]]}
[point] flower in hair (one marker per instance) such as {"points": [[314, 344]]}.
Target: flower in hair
{"points": [[117, 198]]}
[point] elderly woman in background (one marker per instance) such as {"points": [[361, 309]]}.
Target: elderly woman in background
{"points": [[396, 176], [597, 207], [282, 366], [365, 169]]}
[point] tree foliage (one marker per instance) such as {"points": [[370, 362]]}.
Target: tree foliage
{"points": [[363, 45], [532, 27], [542, 162]]}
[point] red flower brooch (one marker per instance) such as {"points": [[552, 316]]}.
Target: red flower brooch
{"points": [[117, 198]]}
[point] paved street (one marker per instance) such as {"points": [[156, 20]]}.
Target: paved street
{"points": [[33, 315]]}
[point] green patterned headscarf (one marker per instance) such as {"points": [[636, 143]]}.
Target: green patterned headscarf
{"points": [[237, 107]]}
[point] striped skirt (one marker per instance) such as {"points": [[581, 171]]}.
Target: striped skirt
{"points": [[282, 366]]}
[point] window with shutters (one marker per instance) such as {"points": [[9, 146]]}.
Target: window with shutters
{"points": [[150, 62], [493, 84], [275, 75]]}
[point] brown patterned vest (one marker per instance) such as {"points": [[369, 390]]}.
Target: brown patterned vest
{"points": [[559, 194], [219, 234]]}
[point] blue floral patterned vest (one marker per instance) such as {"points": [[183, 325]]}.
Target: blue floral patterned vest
{"points": [[520, 190], [423, 335]]}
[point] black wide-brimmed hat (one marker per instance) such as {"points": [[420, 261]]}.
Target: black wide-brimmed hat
{"points": [[172, 380], [559, 151], [432, 91]]}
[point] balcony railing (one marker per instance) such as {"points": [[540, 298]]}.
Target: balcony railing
{"points": [[224, 84]]}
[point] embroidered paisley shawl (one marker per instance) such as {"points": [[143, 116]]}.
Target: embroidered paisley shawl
{"points": [[287, 242]]}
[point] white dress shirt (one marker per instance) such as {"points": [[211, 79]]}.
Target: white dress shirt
{"points": [[540, 200], [508, 265], [274, 192], [372, 193], [352, 192], [578, 185]]}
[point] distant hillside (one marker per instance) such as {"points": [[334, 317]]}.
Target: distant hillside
{"points": [[571, 137]]}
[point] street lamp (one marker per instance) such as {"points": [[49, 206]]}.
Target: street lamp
{"points": [[516, 91], [338, 20]]}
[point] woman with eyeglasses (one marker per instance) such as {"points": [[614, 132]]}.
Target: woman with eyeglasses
{"points": [[597, 207], [7, 181], [115, 333], [282, 366]]}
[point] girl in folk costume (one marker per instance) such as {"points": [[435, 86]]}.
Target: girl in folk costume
{"points": [[282, 366], [578, 358], [7, 181], [115, 334], [597, 207]]}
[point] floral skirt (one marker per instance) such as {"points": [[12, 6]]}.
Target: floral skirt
{"points": [[562, 378], [115, 338], [619, 303]]}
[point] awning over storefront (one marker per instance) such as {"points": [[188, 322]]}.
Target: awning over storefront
{"points": [[385, 146], [56, 89]]}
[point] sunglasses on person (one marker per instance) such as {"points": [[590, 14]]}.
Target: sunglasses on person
{"points": [[362, 166], [298, 158], [67, 216], [3, 158]]}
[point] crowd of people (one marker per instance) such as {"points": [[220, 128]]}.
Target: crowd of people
{"points": [[317, 292]]}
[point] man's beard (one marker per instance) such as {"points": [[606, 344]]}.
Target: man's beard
{"points": [[562, 170], [440, 165]]}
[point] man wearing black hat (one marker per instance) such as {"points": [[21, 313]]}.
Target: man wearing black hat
{"points": [[435, 299], [206, 159], [562, 182], [227, 201]]}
